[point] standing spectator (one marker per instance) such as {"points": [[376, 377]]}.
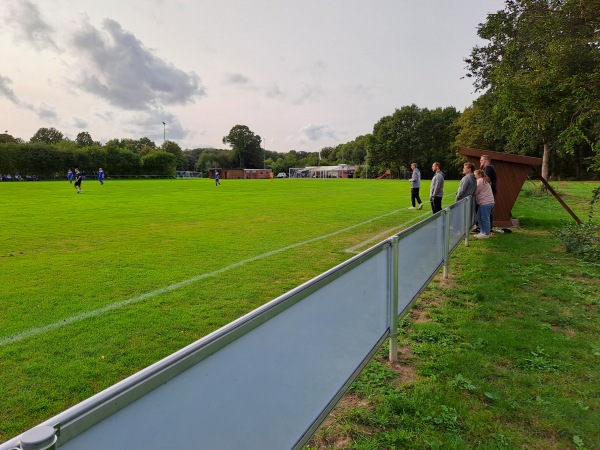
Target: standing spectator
{"points": [[485, 162], [485, 202], [468, 183], [70, 175], [101, 176], [78, 179], [217, 178], [436, 192], [415, 185]]}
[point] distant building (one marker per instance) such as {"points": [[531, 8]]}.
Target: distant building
{"points": [[257, 174], [339, 171], [240, 174]]}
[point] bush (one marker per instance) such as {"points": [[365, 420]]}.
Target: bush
{"points": [[583, 240], [536, 191]]}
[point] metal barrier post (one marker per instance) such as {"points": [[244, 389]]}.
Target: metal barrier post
{"points": [[446, 243], [468, 217], [393, 298]]}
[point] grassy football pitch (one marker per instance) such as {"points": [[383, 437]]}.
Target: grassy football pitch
{"points": [[98, 285]]}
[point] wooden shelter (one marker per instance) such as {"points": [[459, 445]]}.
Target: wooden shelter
{"points": [[227, 174], [257, 174], [512, 171]]}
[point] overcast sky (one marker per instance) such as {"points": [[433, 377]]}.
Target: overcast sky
{"points": [[302, 74]]}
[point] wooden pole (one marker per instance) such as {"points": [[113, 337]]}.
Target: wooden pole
{"points": [[558, 197]]}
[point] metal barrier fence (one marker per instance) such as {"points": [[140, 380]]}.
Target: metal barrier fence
{"points": [[268, 379]]}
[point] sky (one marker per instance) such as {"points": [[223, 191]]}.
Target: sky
{"points": [[302, 74]]}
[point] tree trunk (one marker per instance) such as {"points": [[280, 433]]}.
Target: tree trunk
{"points": [[545, 160]]}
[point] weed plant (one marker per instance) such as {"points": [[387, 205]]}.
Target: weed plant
{"points": [[583, 239]]}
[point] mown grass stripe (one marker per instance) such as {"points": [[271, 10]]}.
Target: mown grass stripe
{"points": [[100, 311]]}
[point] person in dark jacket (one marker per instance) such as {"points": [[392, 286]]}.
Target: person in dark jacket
{"points": [[468, 183], [78, 180]]}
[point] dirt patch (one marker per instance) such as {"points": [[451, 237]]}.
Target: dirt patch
{"points": [[335, 432], [566, 331], [418, 314], [404, 367]]}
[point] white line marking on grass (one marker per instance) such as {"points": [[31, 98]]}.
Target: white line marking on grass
{"points": [[98, 312], [387, 233], [383, 235]]}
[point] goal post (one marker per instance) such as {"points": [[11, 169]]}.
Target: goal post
{"points": [[298, 172], [188, 174]]}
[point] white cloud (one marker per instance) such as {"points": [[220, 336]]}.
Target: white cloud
{"points": [[308, 93], [318, 131], [47, 113], [123, 71], [150, 124], [31, 26], [273, 91], [237, 78], [6, 90], [80, 123], [44, 111], [117, 69]]}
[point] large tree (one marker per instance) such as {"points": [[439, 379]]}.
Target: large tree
{"points": [[413, 134], [174, 148], [160, 163], [5, 138], [84, 139], [246, 147], [541, 66], [47, 136], [479, 127], [212, 158]]}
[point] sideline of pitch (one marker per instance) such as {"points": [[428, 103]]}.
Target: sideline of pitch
{"points": [[98, 312], [385, 234]]}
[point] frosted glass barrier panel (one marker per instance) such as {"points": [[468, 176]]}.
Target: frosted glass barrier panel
{"points": [[267, 388], [420, 255], [457, 213]]}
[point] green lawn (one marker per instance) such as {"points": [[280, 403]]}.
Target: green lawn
{"points": [[504, 355], [96, 286]]}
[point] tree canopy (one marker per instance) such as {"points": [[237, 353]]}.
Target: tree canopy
{"points": [[413, 134], [246, 147], [541, 70], [47, 135], [84, 139]]}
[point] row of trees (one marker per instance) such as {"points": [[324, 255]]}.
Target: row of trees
{"points": [[539, 75], [48, 154], [49, 160]]}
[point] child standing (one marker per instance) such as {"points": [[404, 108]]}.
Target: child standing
{"points": [[485, 202]]}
